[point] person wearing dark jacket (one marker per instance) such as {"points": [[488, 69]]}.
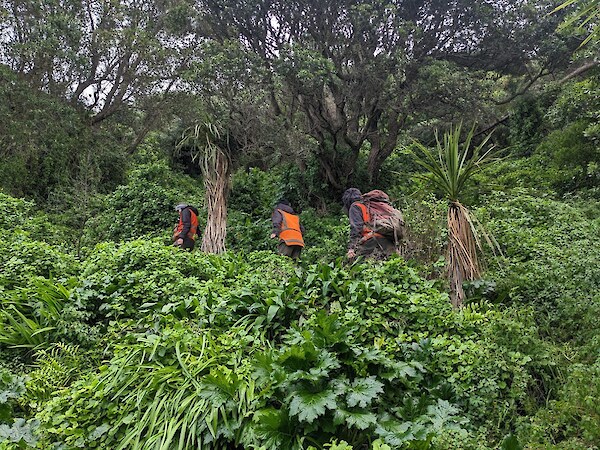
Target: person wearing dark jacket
{"points": [[361, 241], [184, 234], [289, 230]]}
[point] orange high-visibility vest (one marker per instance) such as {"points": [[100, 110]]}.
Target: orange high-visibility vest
{"points": [[366, 232], [193, 228], [290, 229]]}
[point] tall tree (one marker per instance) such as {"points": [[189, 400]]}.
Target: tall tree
{"points": [[351, 66], [230, 83], [47, 146], [104, 56]]}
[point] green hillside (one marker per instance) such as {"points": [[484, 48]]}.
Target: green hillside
{"points": [[112, 113]]}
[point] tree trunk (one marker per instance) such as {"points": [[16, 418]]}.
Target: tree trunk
{"points": [[382, 148], [461, 259], [337, 163], [216, 182]]}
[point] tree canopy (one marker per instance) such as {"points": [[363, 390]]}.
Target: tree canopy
{"points": [[329, 80]]}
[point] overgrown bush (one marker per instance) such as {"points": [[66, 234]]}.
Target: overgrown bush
{"points": [[251, 349], [22, 260], [326, 237], [20, 217], [572, 420], [550, 251], [255, 192], [15, 432], [48, 144], [573, 156], [309, 354], [144, 206], [218, 388]]}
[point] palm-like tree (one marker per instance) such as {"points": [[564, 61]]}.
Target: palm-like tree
{"points": [[214, 157], [585, 17], [449, 169]]}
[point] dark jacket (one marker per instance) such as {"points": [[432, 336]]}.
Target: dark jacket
{"points": [[356, 225], [277, 218]]}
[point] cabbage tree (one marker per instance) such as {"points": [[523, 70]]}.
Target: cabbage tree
{"points": [[449, 168], [585, 18], [212, 152]]}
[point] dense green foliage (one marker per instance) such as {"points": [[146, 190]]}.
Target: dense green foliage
{"points": [[111, 338], [248, 350], [142, 206], [48, 149]]}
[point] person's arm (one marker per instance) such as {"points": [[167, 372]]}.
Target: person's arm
{"points": [[277, 220], [186, 219], [356, 225]]}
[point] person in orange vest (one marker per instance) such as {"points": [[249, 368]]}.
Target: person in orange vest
{"points": [[185, 232], [363, 241], [287, 227]]}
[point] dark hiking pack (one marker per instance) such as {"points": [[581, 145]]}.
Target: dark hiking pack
{"points": [[384, 219]]}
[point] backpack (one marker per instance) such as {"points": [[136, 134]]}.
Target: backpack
{"points": [[383, 217]]}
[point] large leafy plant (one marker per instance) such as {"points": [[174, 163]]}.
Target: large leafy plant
{"points": [[43, 314], [23, 260], [15, 432], [322, 384], [179, 387]]}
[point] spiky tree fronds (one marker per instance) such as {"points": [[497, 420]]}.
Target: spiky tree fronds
{"points": [[455, 163], [585, 18], [450, 168], [215, 163]]}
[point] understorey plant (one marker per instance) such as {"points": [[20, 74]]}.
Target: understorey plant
{"points": [[321, 385]]}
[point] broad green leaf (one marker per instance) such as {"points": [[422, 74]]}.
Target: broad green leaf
{"points": [[308, 406], [356, 419], [363, 391]]}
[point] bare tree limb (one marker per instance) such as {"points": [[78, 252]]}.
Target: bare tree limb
{"points": [[589, 65], [523, 89]]}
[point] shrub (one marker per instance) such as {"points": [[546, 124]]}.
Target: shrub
{"points": [[214, 390], [20, 215], [126, 280], [255, 192], [572, 421], [193, 382], [144, 206], [550, 252], [14, 212], [42, 314], [50, 143], [119, 280], [14, 432], [22, 260], [573, 156], [249, 232], [326, 237]]}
